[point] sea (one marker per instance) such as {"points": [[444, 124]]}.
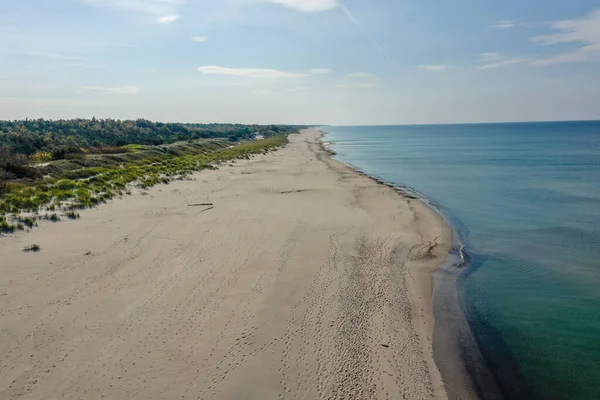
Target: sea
{"points": [[524, 200]]}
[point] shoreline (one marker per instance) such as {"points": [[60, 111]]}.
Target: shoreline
{"points": [[460, 387], [461, 363], [303, 265]]}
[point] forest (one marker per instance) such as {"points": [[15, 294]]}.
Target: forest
{"points": [[58, 139]]}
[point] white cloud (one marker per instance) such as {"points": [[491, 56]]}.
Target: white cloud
{"points": [[162, 11], [360, 75], [503, 24], [566, 58], [495, 60], [585, 30], [167, 19], [499, 64], [307, 5], [508, 24], [56, 56], [249, 72], [434, 68], [127, 89], [320, 71], [199, 39]]}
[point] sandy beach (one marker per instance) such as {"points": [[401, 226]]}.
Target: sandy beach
{"points": [[304, 280]]}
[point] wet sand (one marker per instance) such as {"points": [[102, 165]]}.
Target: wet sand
{"points": [[305, 280]]}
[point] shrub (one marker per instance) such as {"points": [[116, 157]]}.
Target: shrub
{"points": [[66, 184], [5, 227], [43, 198], [63, 194], [84, 173], [14, 187], [74, 156], [29, 222], [72, 215], [16, 164], [109, 150], [41, 157]]}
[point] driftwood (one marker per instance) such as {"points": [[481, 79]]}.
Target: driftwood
{"points": [[200, 204]]}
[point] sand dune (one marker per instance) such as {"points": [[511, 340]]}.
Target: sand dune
{"points": [[305, 281]]}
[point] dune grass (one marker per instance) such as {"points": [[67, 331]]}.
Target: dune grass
{"points": [[90, 186]]}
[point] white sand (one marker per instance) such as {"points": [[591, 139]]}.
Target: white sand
{"points": [[305, 281]]}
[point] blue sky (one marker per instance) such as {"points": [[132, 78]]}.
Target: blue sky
{"points": [[301, 61]]}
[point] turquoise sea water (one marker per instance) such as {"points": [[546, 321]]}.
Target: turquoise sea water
{"points": [[526, 198]]}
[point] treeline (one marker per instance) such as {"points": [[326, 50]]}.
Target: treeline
{"points": [[58, 139]]}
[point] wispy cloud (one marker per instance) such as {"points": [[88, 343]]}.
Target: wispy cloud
{"points": [[510, 23], [168, 19], [249, 72], [495, 60], [578, 56], [362, 80], [360, 75], [585, 30], [360, 85], [311, 6], [127, 89], [435, 67], [320, 71], [362, 27], [199, 39], [504, 24], [307, 5], [56, 56], [162, 11], [490, 57]]}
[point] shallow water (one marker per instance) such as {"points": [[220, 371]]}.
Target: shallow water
{"points": [[526, 198]]}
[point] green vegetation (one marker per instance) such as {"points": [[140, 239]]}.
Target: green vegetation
{"points": [[5, 227], [72, 215], [27, 221], [53, 217], [45, 139], [93, 179]]}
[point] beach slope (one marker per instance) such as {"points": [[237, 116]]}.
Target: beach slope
{"points": [[304, 280]]}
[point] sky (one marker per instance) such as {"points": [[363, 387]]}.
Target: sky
{"points": [[338, 62]]}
